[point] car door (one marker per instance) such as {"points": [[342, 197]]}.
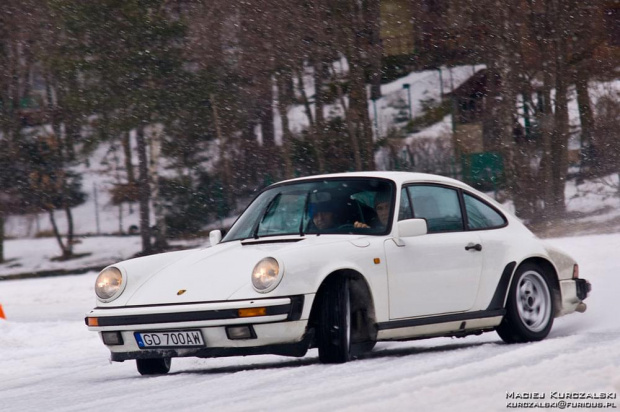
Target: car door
{"points": [[439, 272]]}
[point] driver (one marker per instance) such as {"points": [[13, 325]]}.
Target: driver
{"points": [[324, 216]]}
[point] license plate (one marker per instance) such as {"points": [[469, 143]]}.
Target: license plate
{"points": [[173, 339]]}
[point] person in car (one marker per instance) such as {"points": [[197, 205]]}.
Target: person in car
{"points": [[382, 208], [324, 216]]}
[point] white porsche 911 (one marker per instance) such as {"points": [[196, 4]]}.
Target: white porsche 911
{"points": [[339, 262]]}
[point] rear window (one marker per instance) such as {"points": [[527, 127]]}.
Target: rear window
{"points": [[480, 215]]}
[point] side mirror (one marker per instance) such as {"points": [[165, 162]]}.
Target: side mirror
{"points": [[412, 227], [215, 236]]}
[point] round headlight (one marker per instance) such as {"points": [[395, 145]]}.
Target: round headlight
{"points": [[266, 275], [109, 284]]}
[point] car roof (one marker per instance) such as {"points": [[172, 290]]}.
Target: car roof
{"points": [[397, 177]]}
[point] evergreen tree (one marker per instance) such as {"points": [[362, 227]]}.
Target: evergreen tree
{"points": [[129, 54], [50, 185]]}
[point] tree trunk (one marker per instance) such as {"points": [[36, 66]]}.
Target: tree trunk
{"points": [[224, 155], [507, 123], [525, 150], [126, 143], [319, 124], [358, 112], [69, 247], [144, 192], [315, 131], [72, 134], [121, 230], [586, 116], [71, 119], [283, 105], [504, 62], [559, 144], [57, 235], [355, 146], [266, 115], [546, 129], [56, 118], [160, 220], [375, 48], [319, 70], [358, 117], [542, 25], [2, 237], [304, 98]]}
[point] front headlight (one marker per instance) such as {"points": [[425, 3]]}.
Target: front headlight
{"points": [[266, 275], [109, 284]]}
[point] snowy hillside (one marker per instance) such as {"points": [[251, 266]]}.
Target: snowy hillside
{"points": [[98, 216]]}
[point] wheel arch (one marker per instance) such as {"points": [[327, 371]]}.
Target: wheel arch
{"points": [[363, 320]]}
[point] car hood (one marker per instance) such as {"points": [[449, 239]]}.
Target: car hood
{"points": [[204, 275]]}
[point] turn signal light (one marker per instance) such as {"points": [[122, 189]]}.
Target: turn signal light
{"points": [[250, 312], [576, 271], [92, 321]]}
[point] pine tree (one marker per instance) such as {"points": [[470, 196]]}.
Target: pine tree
{"points": [[129, 57]]}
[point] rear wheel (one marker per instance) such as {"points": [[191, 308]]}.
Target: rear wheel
{"points": [[530, 308], [159, 366], [334, 329]]}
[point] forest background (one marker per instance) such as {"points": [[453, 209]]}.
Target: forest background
{"points": [[186, 92]]}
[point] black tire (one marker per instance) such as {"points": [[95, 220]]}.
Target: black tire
{"points": [[334, 329], [530, 307], [159, 366]]}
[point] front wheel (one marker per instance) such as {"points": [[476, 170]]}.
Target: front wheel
{"points": [[530, 308], [153, 366], [334, 329]]}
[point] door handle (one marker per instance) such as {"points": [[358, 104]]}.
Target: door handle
{"points": [[477, 247]]}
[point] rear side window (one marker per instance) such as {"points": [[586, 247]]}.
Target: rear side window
{"points": [[480, 215], [439, 206]]}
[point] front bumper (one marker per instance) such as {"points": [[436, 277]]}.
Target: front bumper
{"points": [[278, 325]]}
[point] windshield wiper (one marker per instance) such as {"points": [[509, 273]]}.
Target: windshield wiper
{"points": [[303, 213], [259, 221]]}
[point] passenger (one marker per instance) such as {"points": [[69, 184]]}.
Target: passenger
{"points": [[382, 207]]}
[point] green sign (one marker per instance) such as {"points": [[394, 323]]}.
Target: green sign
{"points": [[483, 170]]}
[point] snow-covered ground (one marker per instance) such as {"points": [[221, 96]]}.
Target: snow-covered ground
{"points": [[49, 361], [27, 257]]}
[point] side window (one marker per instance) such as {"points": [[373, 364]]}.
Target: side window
{"points": [[404, 210], [439, 206], [480, 215]]}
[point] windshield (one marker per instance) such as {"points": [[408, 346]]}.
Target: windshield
{"points": [[329, 206]]}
